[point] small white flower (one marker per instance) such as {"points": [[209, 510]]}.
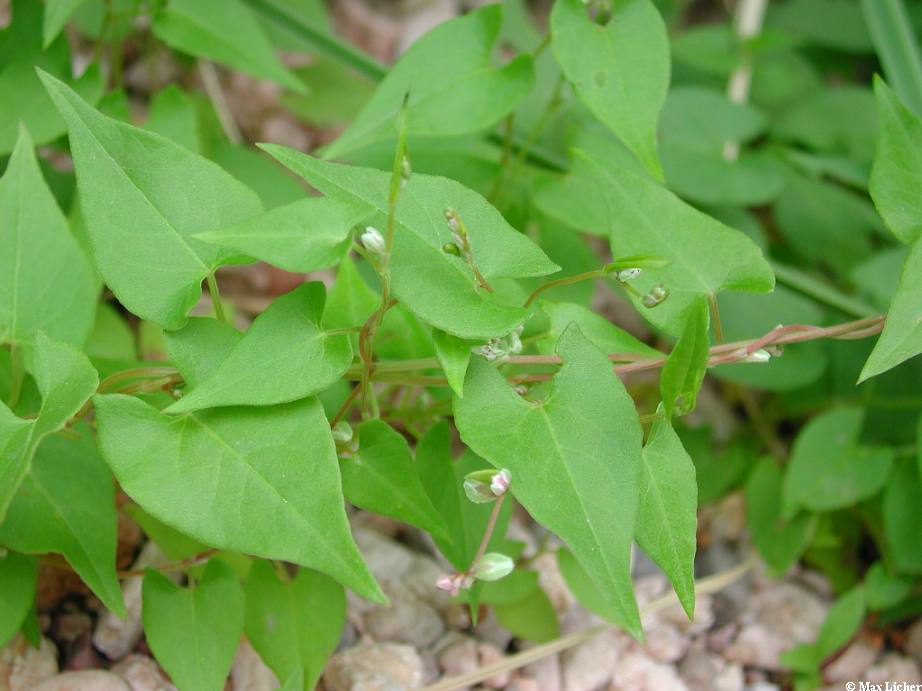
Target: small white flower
{"points": [[629, 274], [499, 483], [761, 355], [373, 240], [515, 339]]}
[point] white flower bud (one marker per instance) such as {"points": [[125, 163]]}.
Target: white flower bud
{"points": [[373, 240], [342, 432], [478, 492], [499, 483], [629, 274], [453, 582], [761, 355], [493, 566], [515, 339]]}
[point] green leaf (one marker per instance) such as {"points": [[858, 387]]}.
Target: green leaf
{"points": [[173, 115], [509, 590], [835, 24], [574, 458], [225, 31], [828, 469], [896, 178], [885, 590], [66, 504], [452, 87], [902, 335], [443, 477], [892, 33], [684, 369], [705, 256], [584, 588], [57, 14], [66, 380], [604, 335], [620, 70], [25, 100], [532, 618], [18, 575], [171, 542], [294, 625], [306, 235], [46, 282], [780, 542], [842, 621], [284, 356], [194, 633], [438, 287], [142, 245], [667, 515], [382, 477], [696, 125], [262, 481], [902, 498], [111, 337], [200, 347], [454, 354]]}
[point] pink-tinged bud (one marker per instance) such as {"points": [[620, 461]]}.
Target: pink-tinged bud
{"points": [[373, 240], [448, 583], [499, 483], [478, 492]]}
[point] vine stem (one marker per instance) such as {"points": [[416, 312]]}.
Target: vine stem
{"points": [[367, 334], [487, 534], [212, 84], [576, 278], [216, 298], [704, 586]]}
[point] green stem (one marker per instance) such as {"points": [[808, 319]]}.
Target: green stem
{"points": [[585, 276], [715, 318], [216, 298], [821, 292]]}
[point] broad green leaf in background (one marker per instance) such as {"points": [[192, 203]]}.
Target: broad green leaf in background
{"points": [[285, 355], [263, 481], [683, 372], [884, 589], [381, 476], [705, 256], [173, 115], [454, 354], [18, 575], [696, 125], [438, 287], [891, 28], [780, 542], [193, 633], [532, 618], [718, 469], [829, 469], [584, 588], [604, 335], [878, 276], [817, 123], [337, 94], [902, 335], [574, 458], [835, 24], [306, 235], [826, 223], [66, 504], [745, 315], [24, 99], [896, 178], [667, 515], [46, 282], [294, 624], [66, 380], [274, 185], [619, 70], [111, 338], [57, 13], [225, 31], [142, 245], [452, 87], [902, 498]]}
